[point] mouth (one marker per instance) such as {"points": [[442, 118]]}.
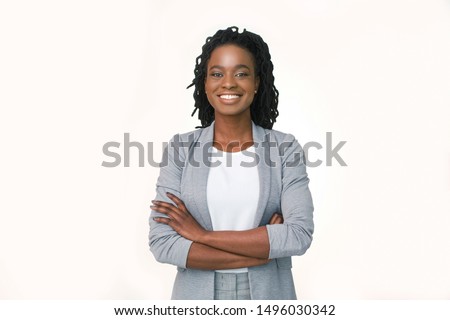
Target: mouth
{"points": [[229, 96]]}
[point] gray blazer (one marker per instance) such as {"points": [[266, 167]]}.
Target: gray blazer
{"points": [[283, 188]]}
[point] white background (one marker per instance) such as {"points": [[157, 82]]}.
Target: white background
{"points": [[77, 74]]}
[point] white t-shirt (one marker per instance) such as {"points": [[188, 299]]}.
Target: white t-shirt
{"points": [[233, 191]]}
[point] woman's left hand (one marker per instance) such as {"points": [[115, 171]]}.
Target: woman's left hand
{"points": [[179, 218]]}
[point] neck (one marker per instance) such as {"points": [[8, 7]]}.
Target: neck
{"points": [[233, 132]]}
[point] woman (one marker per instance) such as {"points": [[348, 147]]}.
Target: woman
{"points": [[231, 228]]}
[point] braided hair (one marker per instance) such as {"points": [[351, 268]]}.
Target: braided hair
{"points": [[263, 109]]}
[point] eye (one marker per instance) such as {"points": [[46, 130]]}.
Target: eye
{"points": [[241, 74], [216, 74]]}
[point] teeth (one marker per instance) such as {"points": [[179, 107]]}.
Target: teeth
{"points": [[229, 96]]}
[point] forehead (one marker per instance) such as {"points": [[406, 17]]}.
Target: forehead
{"points": [[230, 55]]}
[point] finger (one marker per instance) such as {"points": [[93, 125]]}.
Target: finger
{"points": [[166, 210], [178, 202], [278, 220], [175, 199], [272, 219], [167, 206], [275, 221], [160, 202], [274, 216], [162, 220]]}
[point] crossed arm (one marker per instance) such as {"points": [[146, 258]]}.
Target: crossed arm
{"points": [[216, 249], [178, 239]]}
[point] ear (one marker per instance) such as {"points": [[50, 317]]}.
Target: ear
{"points": [[257, 83]]}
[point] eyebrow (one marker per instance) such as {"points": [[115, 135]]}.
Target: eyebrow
{"points": [[239, 66]]}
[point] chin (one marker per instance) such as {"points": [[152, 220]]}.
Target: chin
{"points": [[225, 111]]}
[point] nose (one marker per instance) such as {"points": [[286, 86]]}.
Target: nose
{"points": [[228, 81]]}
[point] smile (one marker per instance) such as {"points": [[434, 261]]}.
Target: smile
{"points": [[229, 96]]}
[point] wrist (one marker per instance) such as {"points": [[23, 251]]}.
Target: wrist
{"points": [[203, 237]]}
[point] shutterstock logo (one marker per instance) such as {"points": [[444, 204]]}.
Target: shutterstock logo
{"points": [[330, 152], [120, 154]]}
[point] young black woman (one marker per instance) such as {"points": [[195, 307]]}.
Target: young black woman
{"points": [[231, 230]]}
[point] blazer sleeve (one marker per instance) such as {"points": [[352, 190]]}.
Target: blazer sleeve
{"points": [[294, 236], [167, 245]]}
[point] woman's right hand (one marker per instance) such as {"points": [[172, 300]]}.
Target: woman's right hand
{"points": [[277, 218]]}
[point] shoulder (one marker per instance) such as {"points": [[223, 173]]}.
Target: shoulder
{"points": [[280, 137], [288, 148], [180, 143], [192, 135]]}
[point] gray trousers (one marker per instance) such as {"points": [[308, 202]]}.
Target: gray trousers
{"points": [[231, 286]]}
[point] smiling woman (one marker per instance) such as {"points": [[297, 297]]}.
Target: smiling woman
{"points": [[231, 229], [231, 82]]}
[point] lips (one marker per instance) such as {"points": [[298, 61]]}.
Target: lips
{"points": [[229, 96]]}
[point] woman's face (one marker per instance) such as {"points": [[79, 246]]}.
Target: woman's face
{"points": [[231, 82]]}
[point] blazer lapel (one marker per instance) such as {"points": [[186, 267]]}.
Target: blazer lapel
{"points": [[200, 173], [262, 149]]}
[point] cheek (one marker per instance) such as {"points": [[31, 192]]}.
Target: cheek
{"points": [[208, 91], [209, 83], [207, 86], [209, 95]]}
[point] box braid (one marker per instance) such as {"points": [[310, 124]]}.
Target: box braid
{"points": [[263, 109]]}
